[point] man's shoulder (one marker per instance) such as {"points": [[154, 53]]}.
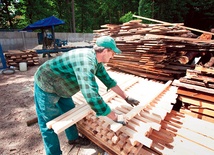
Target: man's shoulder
{"points": [[82, 51]]}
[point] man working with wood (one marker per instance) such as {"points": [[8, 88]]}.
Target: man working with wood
{"points": [[60, 78]]}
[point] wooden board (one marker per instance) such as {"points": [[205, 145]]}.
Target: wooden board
{"points": [[195, 94], [194, 87]]}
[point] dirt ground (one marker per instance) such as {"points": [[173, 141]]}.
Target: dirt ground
{"points": [[16, 107]]}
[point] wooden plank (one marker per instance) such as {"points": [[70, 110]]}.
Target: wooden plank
{"points": [[202, 110], [197, 115], [148, 100], [135, 135], [189, 86], [200, 68], [179, 146], [98, 141], [71, 119], [197, 102], [148, 121], [194, 74], [184, 120], [177, 38], [201, 83], [50, 123], [113, 125], [195, 94], [191, 136]]}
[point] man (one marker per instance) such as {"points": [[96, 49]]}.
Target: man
{"points": [[60, 78], [47, 42]]}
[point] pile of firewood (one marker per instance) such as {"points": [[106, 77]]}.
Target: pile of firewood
{"points": [[14, 57]]}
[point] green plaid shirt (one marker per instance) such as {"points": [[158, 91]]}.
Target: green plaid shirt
{"points": [[73, 71]]}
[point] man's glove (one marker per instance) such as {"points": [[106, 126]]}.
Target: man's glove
{"points": [[121, 119], [132, 101]]}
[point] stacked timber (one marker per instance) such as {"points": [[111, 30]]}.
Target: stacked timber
{"points": [[14, 57], [153, 127], [153, 50], [181, 134], [196, 91]]}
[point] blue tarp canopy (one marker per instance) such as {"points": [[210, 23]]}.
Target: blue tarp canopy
{"points": [[44, 23]]}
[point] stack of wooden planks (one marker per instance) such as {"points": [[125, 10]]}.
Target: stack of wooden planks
{"points": [[152, 50], [14, 57], [153, 127], [182, 134], [196, 91]]}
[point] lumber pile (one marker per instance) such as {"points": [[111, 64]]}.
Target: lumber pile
{"points": [[181, 134], [153, 50], [134, 135], [14, 57], [175, 136], [196, 91], [129, 83], [153, 127]]}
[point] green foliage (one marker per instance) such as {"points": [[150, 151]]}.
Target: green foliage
{"points": [[90, 15], [127, 17], [146, 9], [8, 14]]}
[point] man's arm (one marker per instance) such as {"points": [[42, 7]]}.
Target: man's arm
{"points": [[119, 91], [127, 98]]}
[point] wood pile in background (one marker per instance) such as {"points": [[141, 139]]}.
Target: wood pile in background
{"points": [[14, 57], [196, 91], [152, 50]]}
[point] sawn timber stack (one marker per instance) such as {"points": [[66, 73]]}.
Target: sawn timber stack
{"points": [[196, 90], [153, 50], [14, 57], [153, 127]]}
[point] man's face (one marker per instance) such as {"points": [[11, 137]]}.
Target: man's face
{"points": [[107, 55]]}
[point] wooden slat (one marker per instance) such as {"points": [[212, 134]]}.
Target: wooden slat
{"points": [[197, 102], [191, 136], [204, 69], [178, 38], [195, 94], [50, 123], [141, 106], [189, 86], [71, 119]]}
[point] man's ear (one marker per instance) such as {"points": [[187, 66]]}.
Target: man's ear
{"points": [[105, 50]]}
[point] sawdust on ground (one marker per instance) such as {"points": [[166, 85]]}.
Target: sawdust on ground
{"points": [[16, 107]]}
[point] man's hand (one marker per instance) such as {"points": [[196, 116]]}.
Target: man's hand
{"points": [[132, 101], [121, 119]]}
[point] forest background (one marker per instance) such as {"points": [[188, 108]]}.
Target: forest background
{"points": [[84, 16]]}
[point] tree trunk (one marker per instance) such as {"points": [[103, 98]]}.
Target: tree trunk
{"points": [[73, 17]]}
